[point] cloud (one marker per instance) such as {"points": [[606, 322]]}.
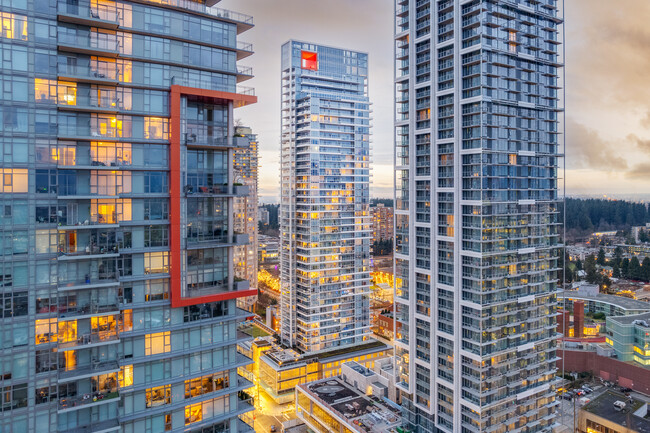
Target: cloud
{"points": [[645, 121], [587, 149], [640, 172], [643, 145]]}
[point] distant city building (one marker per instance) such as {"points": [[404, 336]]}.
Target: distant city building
{"points": [[268, 249], [378, 381], [263, 215], [324, 212], [382, 223], [478, 141], [245, 208], [333, 405]]}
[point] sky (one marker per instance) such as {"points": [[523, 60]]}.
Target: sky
{"points": [[607, 85]]}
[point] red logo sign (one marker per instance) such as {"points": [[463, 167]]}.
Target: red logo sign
{"points": [[309, 60]]}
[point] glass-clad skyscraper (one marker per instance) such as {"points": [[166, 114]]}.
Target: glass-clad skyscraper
{"points": [[477, 144], [324, 212], [117, 279]]}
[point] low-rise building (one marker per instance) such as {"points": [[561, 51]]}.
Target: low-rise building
{"points": [[268, 249], [610, 305], [629, 336], [378, 381], [282, 369], [612, 412], [332, 405]]}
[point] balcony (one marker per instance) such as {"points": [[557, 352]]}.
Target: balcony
{"points": [[97, 15], [244, 73], [88, 309], [105, 73], [217, 289], [91, 43], [94, 369], [97, 427], [67, 404], [194, 139], [93, 280], [69, 252], [89, 340], [217, 238]]}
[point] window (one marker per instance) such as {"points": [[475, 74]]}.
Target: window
{"points": [[156, 263], [159, 396], [156, 236], [46, 331], [156, 209], [45, 181], [156, 182], [193, 413], [45, 394], [125, 376], [157, 343], [206, 384], [13, 304], [14, 397], [14, 180], [156, 290]]}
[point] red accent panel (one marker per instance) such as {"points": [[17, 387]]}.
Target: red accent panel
{"points": [[175, 188], [309, 60]]}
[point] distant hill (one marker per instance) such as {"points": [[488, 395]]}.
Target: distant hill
{"points": [[589, 215]]}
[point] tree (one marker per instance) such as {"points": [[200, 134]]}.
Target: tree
{"points": [[601, 257], [645, 269], [590, 269], [625, 268], [579, 264], [634, 271], [616, 271], [643, 236]]}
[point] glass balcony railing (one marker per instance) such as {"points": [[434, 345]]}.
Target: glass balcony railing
{"points": [[86, 11], [70, 402]]}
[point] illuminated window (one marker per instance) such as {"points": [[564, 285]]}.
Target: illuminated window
{"points": [[13, 180], [46, 331], [68, 331], [206, 384], [159, 396], [156, 263], [309, 60], [193, 413], [44, 90], [125, 376], [155, 128], [14, 26], [67, 93], [157, 343]]}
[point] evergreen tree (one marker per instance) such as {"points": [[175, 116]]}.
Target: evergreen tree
{"points": [[634, 270], [590, 269], [645, 269], [601, 257]]}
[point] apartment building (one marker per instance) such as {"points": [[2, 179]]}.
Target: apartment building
{"points": [[382, 223], [324, 212], [119, 288], [477, 143]]}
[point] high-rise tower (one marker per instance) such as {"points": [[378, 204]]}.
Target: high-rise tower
{"points": [[477, 143], [119, 289], [324, 212]]}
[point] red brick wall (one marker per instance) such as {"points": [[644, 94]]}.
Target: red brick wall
{"points": [[623, 373], [578, 318]]}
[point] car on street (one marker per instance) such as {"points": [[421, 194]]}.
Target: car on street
{"points": [[273, 429]]}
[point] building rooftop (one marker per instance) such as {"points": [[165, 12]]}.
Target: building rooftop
{"points": [[619, 301], [363, 413], [360, 369], [603, 406], [626, 320]]}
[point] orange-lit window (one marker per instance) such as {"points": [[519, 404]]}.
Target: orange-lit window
{"points": [[155, 127], [193, 413], [46, 331], [68, 331], [14, 26], [309, 60], [159, 342], [158, 396], [127, 321], [67, 93], [13, 180], [65, 155], [512, 159], [125, 376], [70, 359], [105, 327], [125, 71], [44, 90]]}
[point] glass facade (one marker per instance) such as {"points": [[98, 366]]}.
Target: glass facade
{"points": [[116, 217], [477, 144], [324, 216]]}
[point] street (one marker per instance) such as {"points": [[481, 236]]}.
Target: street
{"points": [[268, 413]]}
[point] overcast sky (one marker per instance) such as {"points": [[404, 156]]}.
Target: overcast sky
{"points": [[608, 84]]}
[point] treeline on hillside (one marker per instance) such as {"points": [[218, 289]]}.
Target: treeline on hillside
{"points": [[631, 269], [588, 215]]}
